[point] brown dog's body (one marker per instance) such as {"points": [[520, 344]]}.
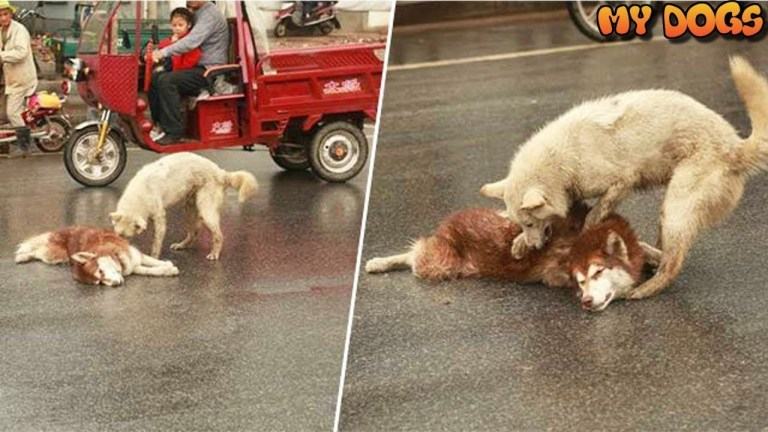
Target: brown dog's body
{"points": [[98, 256], [476, 243]]}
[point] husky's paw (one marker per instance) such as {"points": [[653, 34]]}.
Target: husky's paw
{"points": [[172, 270], [22, 258], [519, 247], [376, 265]]}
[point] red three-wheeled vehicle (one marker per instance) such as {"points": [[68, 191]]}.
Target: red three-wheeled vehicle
{"points": [[307, 106]]}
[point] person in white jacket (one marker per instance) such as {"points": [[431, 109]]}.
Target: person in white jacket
{"points": [[19, 71]]}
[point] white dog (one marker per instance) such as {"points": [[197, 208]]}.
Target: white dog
{"points": [[608, 147], [169, 180]]}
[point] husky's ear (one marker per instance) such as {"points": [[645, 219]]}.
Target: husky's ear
{"points": [[615, 246], [115, 217], [494, 190], [82, 257], [533, 199]]}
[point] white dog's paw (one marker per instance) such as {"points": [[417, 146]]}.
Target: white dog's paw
{"points": [[212, 256], [376, 265], [178, 246], [519, 247]]}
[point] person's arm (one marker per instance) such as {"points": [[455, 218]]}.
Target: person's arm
{"points": [[19, 50], [190, 59]]}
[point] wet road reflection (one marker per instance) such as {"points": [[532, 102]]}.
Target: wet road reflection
{"points": [[482, 355], [255, 339]]}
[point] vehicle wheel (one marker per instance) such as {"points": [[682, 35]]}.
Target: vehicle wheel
{"points": [[338, 151], [281, 29], [291, 157], [584, 15], [58, 130], [87, 168], [326, 28]]}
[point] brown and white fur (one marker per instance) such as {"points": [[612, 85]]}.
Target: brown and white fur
{"points": [[97, 256], [170, 180], [609, 147], [476, 243]]}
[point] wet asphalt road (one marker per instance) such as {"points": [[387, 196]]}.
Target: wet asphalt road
{"points": [[484, 355], [253, 342]]}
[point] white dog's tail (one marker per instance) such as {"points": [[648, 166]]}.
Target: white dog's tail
{"points": [[244, 182], [753, 90]]}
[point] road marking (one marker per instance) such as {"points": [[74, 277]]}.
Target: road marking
{"points": [[516, 55]]}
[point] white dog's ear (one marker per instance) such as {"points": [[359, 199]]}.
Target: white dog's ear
{"points": [[115, 217], [494, 190], [533, 199], [82, 257], [615, 246]]}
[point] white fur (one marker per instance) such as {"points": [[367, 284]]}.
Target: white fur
{"points": [[170, 180], [608, 147], [601, 289]]}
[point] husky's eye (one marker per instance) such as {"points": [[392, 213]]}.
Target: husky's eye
{"points": [[597, 273]]}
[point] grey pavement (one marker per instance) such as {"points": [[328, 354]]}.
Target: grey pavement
{"points": [[485, 355], [252, 342]]}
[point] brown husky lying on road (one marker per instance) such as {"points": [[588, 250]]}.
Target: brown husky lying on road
{"points": [[604, 261]]}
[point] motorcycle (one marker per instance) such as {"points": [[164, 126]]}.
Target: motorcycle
{"points": [[49, 126], [306, 15]]}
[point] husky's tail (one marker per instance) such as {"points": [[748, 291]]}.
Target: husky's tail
{"points": [[244, 182], [28, 249], [753, 90]]}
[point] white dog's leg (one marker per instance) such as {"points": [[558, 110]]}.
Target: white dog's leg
{"points": [[689, 208], [652, 255], [394, 262], [193, 226], [607, 204], [159, 224], [519, 247], [209, 200], [156, 271]]}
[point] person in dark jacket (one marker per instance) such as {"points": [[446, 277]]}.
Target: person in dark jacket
{"points": [[210, 33]]}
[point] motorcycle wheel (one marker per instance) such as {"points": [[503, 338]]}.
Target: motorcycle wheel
{"points": [[59, 130], [291, 157], [281, 29], [88, 170], [584, 15], [326, 28], [338, 151]]}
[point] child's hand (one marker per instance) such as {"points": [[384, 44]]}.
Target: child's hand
{"points": [[174, 38]]}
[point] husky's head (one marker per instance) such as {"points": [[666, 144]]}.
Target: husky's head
{"points": [[89, 268], [603, 274], [533, 209], [128, 225]]}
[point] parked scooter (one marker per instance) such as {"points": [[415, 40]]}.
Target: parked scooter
{"points": [[49, 125], [306, 15]]}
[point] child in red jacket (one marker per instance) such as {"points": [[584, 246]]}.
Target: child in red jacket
{"points": [[181, 24]]}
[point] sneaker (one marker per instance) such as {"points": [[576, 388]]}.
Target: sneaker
{"points": [[168, 139], [156, 134]]}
